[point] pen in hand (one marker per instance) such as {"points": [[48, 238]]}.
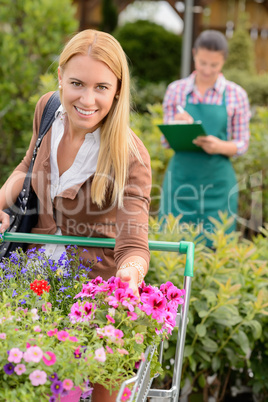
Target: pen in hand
{"points": [[179, 109], [184, 116]]}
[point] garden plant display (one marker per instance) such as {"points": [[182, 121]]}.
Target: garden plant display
{"points": [[58, 330]]}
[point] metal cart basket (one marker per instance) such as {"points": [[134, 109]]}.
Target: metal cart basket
{"points": [[142, 381]]}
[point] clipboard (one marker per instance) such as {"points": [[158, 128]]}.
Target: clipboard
{"points": [[180, 136]]}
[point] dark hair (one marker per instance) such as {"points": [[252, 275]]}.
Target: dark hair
{"points": [[212, 40]]}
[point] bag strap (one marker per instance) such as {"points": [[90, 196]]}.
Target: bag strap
{"points": [[47, 120]]}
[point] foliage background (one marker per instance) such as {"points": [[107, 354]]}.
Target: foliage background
{"points": [[32, 34]]}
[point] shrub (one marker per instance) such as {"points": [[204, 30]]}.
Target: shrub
{"points": [[255, 85], [31, 36], [228, 308], [154, 52]]}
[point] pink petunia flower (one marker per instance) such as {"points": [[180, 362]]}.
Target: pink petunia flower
{"points": [[67, 384], [100, 355], [122, 351], [109, 331], [3, 335], [20, 369], [109, 350], [73, 339], [109, 318], [15, 355], [52, 332], [118, 334], [47, 306], [33, 354], [62, 335], [133, 316], [49, 358], [38, 377], [37, 328], [126, 394]]}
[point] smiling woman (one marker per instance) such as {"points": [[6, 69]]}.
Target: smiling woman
{"points": [[86, 98], [92, 174]]}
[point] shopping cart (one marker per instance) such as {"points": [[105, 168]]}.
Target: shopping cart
{"points": [[141, 383]]}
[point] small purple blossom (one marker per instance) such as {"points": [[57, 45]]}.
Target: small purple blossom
{"points": [[9, 368], [53, 377], [56, 387]]}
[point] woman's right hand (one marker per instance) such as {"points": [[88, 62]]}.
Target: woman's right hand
{"points": [[4, 221], [184, 116]]}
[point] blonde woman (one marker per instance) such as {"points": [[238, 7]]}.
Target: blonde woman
{"points": [[92, 174]]}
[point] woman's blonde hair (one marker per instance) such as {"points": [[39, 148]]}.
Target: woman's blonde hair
{"points": [[116, 139]]}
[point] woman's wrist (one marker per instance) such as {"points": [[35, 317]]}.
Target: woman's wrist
{"points": [[139, 267]]}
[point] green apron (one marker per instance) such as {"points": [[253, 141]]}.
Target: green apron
{"points": [[196, 184]]}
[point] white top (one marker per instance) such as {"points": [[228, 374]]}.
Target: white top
{"points": [[83, 167]]}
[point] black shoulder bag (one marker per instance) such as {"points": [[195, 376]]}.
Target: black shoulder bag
{"points": [[24, 213]]}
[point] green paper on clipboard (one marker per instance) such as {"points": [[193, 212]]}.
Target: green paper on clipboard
{"points": [[180, 136]]}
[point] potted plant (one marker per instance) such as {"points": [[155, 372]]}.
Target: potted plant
{"points": [[51, 343]]}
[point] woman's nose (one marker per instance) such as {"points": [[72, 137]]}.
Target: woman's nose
{"points": [[88, 97]]}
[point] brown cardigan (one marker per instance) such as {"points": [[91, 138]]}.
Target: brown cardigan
{"points": [[76, 215]]}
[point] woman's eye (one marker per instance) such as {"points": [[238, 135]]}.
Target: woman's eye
{"points": [[102, 87], [76, 84]]}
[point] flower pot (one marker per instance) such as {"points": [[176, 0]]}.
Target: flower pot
{"points": [[73, 396]]}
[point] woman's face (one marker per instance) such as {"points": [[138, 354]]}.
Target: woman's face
{"points": [[88, 91], [208, 64]]}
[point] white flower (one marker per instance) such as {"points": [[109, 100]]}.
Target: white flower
{"points": [[35, 316]]}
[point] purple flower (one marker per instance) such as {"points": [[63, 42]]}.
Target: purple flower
{"points": [[14, 293], [52, 399], [53, 377], [87, 393], [9, 368], [56, 387], [23, 270], [9, 276], [63, 288], [99, 259]]}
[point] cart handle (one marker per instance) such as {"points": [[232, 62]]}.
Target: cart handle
{"points": [[183, 247]]}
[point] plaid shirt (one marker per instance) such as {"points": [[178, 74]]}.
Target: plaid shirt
{"points": [[236, 99]]}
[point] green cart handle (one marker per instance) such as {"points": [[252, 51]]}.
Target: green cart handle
{"points": [[183, 247]]}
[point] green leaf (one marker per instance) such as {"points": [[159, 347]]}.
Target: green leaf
{"points": [[209, 345], [227, 315], [203, 313], [209, 295], [201, 330], [188, 350], [202, 381], [193, 363], [241, 339], [216, 363], [204, 355]]}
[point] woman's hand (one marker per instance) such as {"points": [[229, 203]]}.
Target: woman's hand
{"points": [[133, 271], [184, 116], [4, 221], [131, 276], [213, 145]]}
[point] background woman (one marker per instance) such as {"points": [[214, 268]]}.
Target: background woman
{"points": [[92, 174], [200, 184]]}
